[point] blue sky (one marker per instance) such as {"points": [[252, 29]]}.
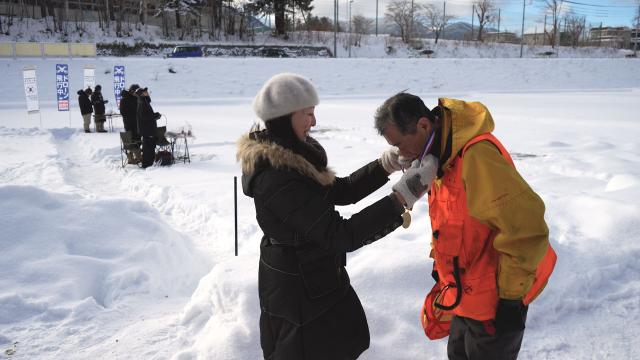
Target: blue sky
{"points": [[609, 12]]}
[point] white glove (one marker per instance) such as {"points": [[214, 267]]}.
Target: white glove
{"points": [[415, 182], [389, 160], [405, 162]]}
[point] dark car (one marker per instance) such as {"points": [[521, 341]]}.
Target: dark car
{"points": [[274, 53], [186, 51]]}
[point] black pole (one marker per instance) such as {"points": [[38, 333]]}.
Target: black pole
{"points": [[235, 208]]}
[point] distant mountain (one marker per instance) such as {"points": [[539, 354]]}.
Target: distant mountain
{"points": [[460, 31], [455, 31]]}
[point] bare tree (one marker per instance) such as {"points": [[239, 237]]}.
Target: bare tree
{"points": [[575, 28], [485, 12], [554, 8], [435, 20], [361, 26], [402, 14]]}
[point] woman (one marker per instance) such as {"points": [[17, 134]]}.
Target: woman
{"points": [[308, 308]]}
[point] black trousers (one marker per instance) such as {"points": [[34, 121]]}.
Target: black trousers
{"points": [[148, 150], [470, 340]]}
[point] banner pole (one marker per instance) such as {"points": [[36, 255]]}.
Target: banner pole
{"points": [[235, 208]]}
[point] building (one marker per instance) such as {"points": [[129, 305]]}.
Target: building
{"points": [[502, 37], [634, 39], [615, 37], [537, 39]]}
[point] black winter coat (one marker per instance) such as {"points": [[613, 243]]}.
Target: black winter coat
{"points": [[98, 102], [303, 284], [129, 111], [84, 102], [146, 117]]}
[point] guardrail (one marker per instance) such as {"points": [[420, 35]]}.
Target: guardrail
{"points": [[32, 49]]}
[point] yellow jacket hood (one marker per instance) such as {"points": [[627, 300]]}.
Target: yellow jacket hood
{"points": [[466, 119]]}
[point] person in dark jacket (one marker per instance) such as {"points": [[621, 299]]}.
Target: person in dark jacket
{"points": [[85, 108], [129, 110], [147, 127], [308, 308], [98, 109]]}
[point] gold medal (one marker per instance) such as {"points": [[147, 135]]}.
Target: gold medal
{"points": [[406, 219]]}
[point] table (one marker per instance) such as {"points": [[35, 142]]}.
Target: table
{"points": [[109, 118], [179, 145]]}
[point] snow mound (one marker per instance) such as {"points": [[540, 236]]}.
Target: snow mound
{"points": [[621, 182], [223, 314], [65, 256]]}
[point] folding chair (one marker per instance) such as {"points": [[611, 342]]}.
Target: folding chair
{"points": [[164, 148], [127, 145]]}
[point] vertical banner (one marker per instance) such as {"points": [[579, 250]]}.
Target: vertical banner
{"points": [[118, 82], [31, 89], [89, 77], [62, 86]]}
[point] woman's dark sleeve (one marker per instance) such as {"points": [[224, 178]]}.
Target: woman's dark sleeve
{"points": [[314, 219], [358, 185]]}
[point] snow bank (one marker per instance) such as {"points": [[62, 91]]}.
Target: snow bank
{"points": [[67, 259]]}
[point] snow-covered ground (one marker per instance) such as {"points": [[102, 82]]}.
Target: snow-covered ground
{"points": [[111, 263]]}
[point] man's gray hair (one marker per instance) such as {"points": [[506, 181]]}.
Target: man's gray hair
{"points": [[403, 110]]}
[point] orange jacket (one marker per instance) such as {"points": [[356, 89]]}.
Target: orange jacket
{"points": [[489, 234]]}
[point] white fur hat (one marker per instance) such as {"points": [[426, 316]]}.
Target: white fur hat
{"points": [[284, 94]]}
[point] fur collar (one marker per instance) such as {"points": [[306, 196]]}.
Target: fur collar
{"points": [[250, 151]]}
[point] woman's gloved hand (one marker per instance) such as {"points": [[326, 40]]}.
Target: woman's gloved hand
{"points": [[416, 180], [392, 161], [389, 160]]}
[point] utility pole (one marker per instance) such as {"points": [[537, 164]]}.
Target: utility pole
{"points": [[349, 12], [411, 25], [444, 18], [637, 37], [376, 18], [522, 32], [498, 25], [335, 28], [473, 13], [544, 32]]}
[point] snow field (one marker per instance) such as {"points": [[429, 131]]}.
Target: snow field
{"points": [[145, 257]]}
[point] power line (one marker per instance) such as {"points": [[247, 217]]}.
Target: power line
{"points": [[600, 6]]}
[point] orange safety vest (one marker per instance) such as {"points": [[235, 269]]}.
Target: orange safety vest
{"points": [[465, 259]]}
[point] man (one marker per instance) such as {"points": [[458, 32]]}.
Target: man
{"points": [[128, 110], [85, 108], [147, 126], [98, 109], [489, 233]]}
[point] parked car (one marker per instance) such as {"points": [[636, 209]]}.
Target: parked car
{"points": [[274, 53], [186, 51]]}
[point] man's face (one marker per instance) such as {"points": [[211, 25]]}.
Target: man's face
{"points": [[410, 145]]}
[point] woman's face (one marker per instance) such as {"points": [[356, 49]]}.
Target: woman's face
{"points": [[302, 121]]}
